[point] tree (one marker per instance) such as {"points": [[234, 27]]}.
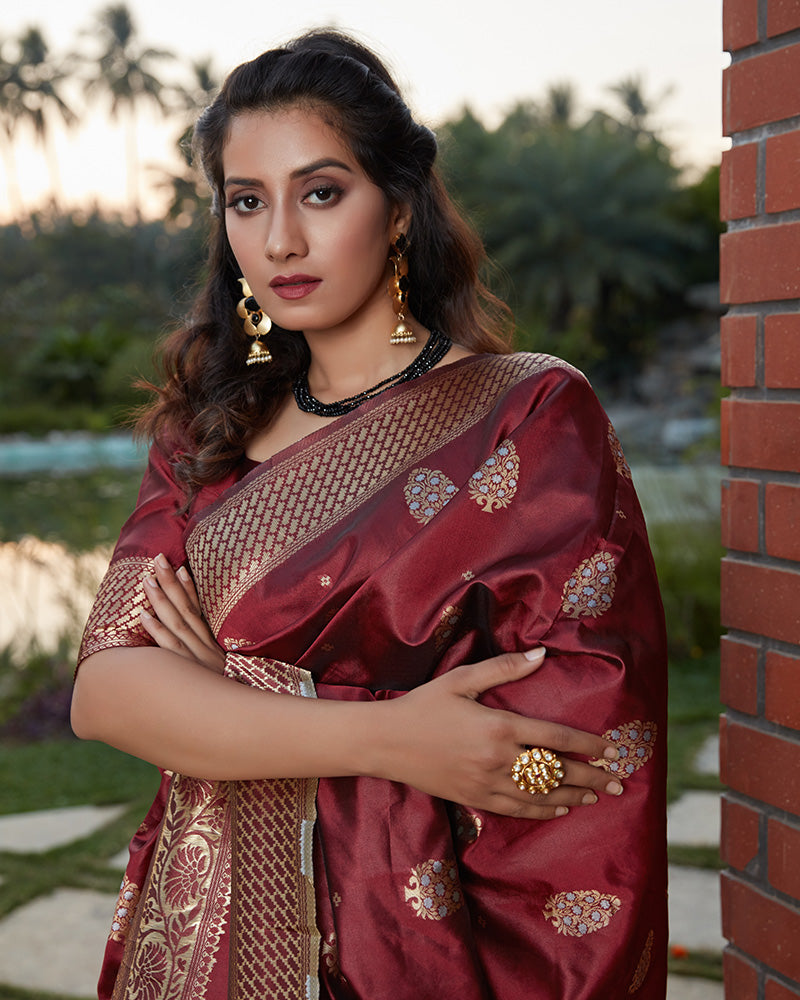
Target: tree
{"points": [[580, 218], [30, 90], [125, 74]]}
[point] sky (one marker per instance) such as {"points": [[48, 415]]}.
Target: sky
{"points": [[445, 54]]}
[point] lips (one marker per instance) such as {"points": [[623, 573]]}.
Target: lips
{"points": [[294, 286]]}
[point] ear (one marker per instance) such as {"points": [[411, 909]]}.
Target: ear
{"points": [[400, 218]]}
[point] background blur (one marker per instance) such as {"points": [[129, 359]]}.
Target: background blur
{"points": [[582, 138]]}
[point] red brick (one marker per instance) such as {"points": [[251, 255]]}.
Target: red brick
{"points": [[782, 351], [761, 600], [741, 977], [739, 675], [761, 435], [782, 174], [782, 520], [782, 15], [777, 991], [739, 834], [763, 766], [783, 857], [761, 926], [761, 90], [739, 24], [740, 514], [739, 350], [760, 264], [782, 694], [737, 182]]}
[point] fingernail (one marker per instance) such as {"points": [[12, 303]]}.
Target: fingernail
{"points": [[145, 614], [151, 581], [532, 655], [561, 810], [162, 562], [614, 788], [183, 574], [611, 753], [589, 799]]}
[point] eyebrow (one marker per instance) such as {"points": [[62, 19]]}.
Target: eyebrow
{"points": [[310, 168]]}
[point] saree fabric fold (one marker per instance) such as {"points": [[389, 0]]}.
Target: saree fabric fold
{"points": [[484, 507]]}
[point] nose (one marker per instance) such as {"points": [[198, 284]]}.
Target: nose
{"points": [[285, 236]]}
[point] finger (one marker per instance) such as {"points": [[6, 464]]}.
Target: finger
{"points": [[189, 589], [508, 805], [564, 739], [163, 637], [186, 627], [184, 607], [472, 679]]}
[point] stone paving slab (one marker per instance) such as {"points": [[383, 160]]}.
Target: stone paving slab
{"points": [[694, 820], [707, 759], [41, 831], [56, 942], [688, 988], [694, 908]]}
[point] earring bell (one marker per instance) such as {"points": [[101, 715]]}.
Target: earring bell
{"points": [[256, 324], [398, 290]]}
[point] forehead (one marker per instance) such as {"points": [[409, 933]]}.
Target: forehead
{"points": [[283, 141]]}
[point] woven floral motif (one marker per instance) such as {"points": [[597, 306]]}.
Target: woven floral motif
{"points": [[619, 456], [427, 492], [232, 645], [643, 966], [148, 978], [434, 890], [494, 485], [635, 742], [590, 590], [129, 894], [448, 623], [467, 825], [329, 954], [581, 911]]}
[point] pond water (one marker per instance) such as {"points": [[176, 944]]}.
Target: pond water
{"points": [[59, 452]]}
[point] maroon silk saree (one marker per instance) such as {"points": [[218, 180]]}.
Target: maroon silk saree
{"points": [[486, 506]]}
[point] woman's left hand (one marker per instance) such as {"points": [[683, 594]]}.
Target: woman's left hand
{"points": [[178, 624]]}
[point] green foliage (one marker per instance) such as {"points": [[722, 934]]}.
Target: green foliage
{"points": [[82, 306], [687, 557], [588, 223]]}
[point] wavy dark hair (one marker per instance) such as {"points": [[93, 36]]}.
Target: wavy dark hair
{"points": [[211, 403]]}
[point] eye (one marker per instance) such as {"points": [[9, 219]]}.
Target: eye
{"points": [[325, 194], [245, 203]]}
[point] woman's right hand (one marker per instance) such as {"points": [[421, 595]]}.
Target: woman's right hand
{"points": [[445, 743]]}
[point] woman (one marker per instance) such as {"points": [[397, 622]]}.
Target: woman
{"points": [[356, 511]]}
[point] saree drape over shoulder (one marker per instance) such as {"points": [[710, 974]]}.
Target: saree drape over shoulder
{"points": [[484, 507]]}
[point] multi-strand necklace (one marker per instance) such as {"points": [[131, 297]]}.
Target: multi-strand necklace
{"points": [[436, 346]]}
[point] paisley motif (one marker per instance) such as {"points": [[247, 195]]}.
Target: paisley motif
{"points": [[434, 890], [427, 492], [590, 590], [581, 911], [635, 743], [494, 485]]}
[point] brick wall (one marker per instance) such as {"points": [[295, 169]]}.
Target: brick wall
{"points": [[760, 681]]}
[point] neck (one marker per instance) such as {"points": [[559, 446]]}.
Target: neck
{"points": [[348, 362]]}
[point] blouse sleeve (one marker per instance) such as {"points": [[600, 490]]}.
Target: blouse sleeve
{"points": [[156, 526]]}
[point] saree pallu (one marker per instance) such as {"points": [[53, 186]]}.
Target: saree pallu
{"points": [[484, 507]]}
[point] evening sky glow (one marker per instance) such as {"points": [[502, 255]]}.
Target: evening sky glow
{"points": [[444, 55]]}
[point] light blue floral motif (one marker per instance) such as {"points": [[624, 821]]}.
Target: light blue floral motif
{"points": [[428, 491], [581, 911]]}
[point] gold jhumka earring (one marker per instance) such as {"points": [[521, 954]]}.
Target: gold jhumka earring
{"points": [[398, 290], [256, 324]]}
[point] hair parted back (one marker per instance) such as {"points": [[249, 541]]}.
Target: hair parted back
{"points": [[211, 402]]}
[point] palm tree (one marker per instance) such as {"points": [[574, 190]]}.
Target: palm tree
{"points": [[12, 110], [125, 75], [43, 80]]}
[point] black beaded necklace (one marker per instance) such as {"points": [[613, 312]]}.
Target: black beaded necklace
{"points": [[436, 346]]}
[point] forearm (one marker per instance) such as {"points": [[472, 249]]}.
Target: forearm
{"points": [[178, 715]]}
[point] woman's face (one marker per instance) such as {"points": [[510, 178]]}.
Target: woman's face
{"points": [[309, 229]]}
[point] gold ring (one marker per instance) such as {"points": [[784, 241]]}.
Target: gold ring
{"points": [[537, 771]]}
